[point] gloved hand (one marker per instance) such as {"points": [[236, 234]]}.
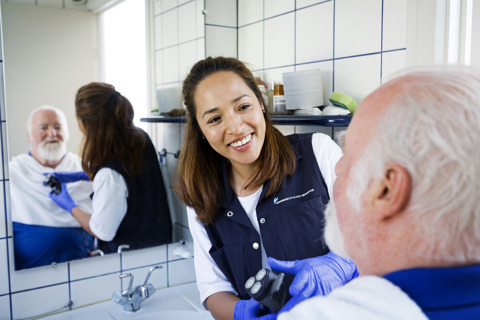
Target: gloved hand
{"points": [[251, 310], [63, 199], [65, 177], [315, 276]]}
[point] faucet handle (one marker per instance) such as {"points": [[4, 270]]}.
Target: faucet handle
{"points": [[130, 284], [147, 290], [150, 272]]}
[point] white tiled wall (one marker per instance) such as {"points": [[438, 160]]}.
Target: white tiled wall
{"points": [[355, 43]]}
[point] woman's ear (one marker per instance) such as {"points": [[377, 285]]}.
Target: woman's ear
{"points": [[390, 194]]}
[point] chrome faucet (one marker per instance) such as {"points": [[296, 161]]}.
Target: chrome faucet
{"points": [[131, 298]]}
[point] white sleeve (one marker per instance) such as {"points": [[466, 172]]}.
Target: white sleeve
{"points": [[327, 153], [109, 203], [210, 279]]}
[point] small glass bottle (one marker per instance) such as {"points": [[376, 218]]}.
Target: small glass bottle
{"points": [[278, 98]]}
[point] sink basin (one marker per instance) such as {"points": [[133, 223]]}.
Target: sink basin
{"points": [[176, 303]]}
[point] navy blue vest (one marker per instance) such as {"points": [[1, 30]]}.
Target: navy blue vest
{"points": [[147, 221], [291, 222]]}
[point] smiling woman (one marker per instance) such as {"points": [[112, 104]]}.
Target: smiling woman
{"points": [[251, 192]]}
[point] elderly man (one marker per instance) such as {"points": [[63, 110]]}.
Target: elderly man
{"points": [[43, 233], [406, 206]]}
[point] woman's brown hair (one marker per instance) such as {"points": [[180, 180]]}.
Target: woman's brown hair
{"points": [[107, 120], [198, 176]]}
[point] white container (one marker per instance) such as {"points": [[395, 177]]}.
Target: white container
{"points": [[303, 89]]}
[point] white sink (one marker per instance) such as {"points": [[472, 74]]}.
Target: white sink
{"points": [[176, 303]]}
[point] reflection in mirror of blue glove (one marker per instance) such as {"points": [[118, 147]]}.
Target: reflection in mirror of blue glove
{"points": [[250, 310], [66, 176], [63, 199], [315, 276]]}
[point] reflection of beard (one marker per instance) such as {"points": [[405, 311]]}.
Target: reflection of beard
{"points": [[333, 235], [52, 149]]}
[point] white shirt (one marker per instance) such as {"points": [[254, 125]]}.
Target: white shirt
{"points": [[109, 203], [364, 298], [210, 279], [29, 197]]}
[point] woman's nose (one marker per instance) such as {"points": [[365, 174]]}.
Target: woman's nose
{"points": [[233, 124]]}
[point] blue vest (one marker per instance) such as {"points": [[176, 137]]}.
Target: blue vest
{"points": [[147, 221], [291, 222], [442, 293]]}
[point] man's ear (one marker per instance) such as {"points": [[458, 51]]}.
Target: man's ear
{"points": [[389, 195]]}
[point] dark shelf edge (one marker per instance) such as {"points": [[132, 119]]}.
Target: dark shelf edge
{"points": [[325, 121]]}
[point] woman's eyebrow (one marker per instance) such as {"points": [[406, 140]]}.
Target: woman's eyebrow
{"points": [[213, 110]]}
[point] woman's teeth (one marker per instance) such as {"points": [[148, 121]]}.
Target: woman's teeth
{"points": [[241, 142]]}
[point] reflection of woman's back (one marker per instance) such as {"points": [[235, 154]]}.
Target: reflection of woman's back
{"points": [[129, 202], [147, 221]]}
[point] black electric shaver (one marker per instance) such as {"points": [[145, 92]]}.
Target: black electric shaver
{"points": [[53, 183], [267, 288]]}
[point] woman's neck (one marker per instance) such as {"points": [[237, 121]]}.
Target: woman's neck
{"points": [[239, 177]]}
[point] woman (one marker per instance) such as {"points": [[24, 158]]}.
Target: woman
{"points": [[129, 201], [251, 192]]}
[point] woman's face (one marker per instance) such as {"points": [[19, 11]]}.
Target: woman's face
{"points": [[230, 117]]}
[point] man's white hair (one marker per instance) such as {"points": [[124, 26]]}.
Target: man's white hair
{"points": [[61, 117], [432, 128]]}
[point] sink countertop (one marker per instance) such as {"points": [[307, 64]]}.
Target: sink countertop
{"points": [[176, 303]]}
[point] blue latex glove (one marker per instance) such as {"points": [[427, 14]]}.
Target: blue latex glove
{"points": [[63, 199], [65, 177], [250, 310], [315, 276]]}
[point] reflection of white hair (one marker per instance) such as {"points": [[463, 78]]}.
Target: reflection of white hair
{"points": [[432, 129], [61, 118]]}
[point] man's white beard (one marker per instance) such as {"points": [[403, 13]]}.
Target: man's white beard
{"points": [[333, 235], [52, 150]]}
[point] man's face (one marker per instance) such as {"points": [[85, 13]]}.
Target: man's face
{"points": [[347, 230], [47, 136]]}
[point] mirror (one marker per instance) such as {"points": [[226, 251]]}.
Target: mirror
{"points": [[49, 53]]}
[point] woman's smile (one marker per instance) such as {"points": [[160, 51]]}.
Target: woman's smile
{"points": [[242, 142]]}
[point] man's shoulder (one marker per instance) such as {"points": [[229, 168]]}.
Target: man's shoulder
{"points": [[20, 159], [70, 161]]}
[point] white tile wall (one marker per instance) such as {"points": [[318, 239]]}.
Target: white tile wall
{"points": [[279, 39], [357, 76], [40, 301], [314, 33], [170, 28], [221, 13], [186, 29], [221, 41], [394, 15], [358, 27], [277, 7], [249, 11], [251, 48]]}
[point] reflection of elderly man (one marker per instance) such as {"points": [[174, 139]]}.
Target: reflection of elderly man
{"points": [[43, 232], [407, 208]]}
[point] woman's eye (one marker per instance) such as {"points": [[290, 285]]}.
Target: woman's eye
{"points": [[244, 107], [214, 119]]}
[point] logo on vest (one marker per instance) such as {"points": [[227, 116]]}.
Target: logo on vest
{"points": [[276, 201]]}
